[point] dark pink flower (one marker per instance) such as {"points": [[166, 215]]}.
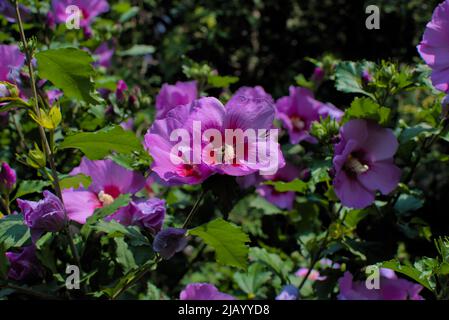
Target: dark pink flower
{"points": [[24, 265], [109, 181], [121, 88], [203, 291], [391, 288], [173, 95], [11, 61], [364, 163], [434, 47], [298, 110], [7, 177]]}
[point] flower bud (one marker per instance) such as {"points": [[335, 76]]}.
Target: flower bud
{"points": [[7, 177], [170, 241]]}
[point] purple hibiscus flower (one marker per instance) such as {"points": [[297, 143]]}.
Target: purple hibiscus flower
{"points": [[434, 47], [218, 154], [283, 200], [7, 177], [120, 90], [298, 110], [46, 215], [288, 292], [8, 11], [109, 180], [391, 288], [363, 163], [103, 55], [173, 95], [170, 241], [24, 264], [203, 291], [146, 214], [90, 9], [11, 61]]}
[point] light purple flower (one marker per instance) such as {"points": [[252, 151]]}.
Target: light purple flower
{"points": [[203, 291], [46, 215], [128, 124], [313, 276], [11, 61], [256, 92], [170, 241], [148, 214], [54, 95], [240, 114], [109, 181], [24, 264], [363, 163], [7, 177], [8, 11], [389, 289], [173, 95], [298, 110], [283, 200], [434, 47], [121, 88], [103, 55], [90, 9], [366, 77], [288, 292]]}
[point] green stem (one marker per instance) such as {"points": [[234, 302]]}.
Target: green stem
{"points": [[29, 292], [45, 144], [194, 210]]}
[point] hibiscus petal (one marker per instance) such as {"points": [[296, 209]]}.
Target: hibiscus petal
{"points": [[80, 204], [383, 176]]}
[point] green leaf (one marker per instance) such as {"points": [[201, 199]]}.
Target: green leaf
{"points": [[349, 77], [30, 186], [137, 50], [252, 281], [227, 239], [97, 145], [45, 252], [407, 203], [353, 217], [114, 229], [13, 231], [221, 81], [124, 256], [69, 69], [75, 181], [295, 186], [272, 260], [365, 108], [407, 270], [121, 201], [409, 133]]}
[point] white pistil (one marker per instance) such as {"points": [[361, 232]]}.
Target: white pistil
{"points": [[106, 199], [354, 165], [298, 123]]}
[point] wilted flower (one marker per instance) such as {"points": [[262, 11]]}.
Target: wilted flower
{"points": [[203, 291], [313, 276], [7, 177], [109, 181], [11, 61], [288, 292], [170, 241], [103, 55], [24, 264], [434, 47], [171, 96], [298, 110], [391, 288], [46, 215], [148, 214], [90, 9], [364, 163]]}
